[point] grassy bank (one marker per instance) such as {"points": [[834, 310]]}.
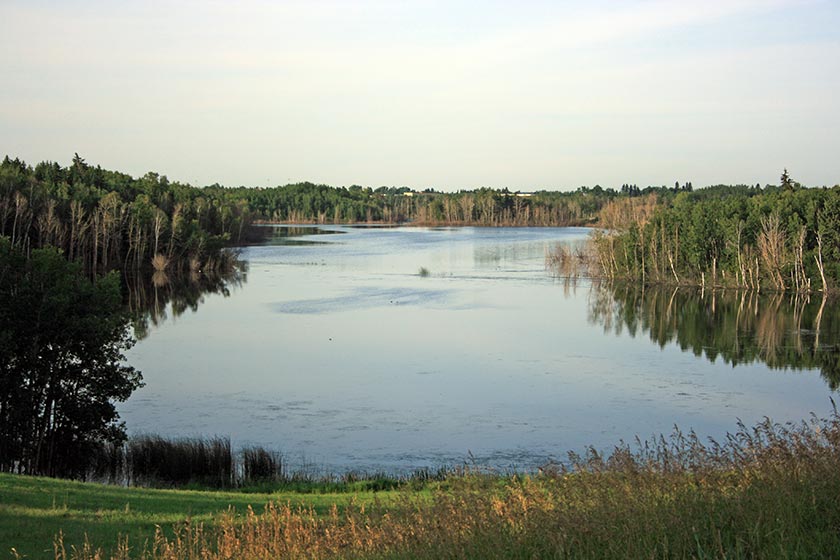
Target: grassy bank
{"points": [[34, 510], [765, 492]]}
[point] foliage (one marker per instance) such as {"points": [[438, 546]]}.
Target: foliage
{"points": [[781, 239], [109, 220], [153, 461], [307, 202], [61, 362], [260, 465]]}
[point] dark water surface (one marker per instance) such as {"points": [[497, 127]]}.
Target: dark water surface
{"points": [[397, 348]]}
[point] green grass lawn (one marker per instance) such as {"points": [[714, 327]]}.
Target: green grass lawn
{"points": [[33, 510]]}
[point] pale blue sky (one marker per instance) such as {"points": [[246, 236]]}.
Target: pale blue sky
{"points": [[449, 95]]}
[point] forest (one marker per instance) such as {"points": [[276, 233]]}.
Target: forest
{"points": [[108, 220], [111, 221], [309, 203], [777, 238], [781, 238]]}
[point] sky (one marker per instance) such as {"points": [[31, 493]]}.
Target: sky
{"points": [[449, 94]]}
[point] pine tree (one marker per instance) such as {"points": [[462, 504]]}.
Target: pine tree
{"points": [[786, 183]]}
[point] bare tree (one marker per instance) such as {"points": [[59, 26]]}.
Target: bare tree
{"points": [[771, 247]]}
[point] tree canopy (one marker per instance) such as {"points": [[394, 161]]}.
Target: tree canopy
{"points": [[61, 362], [784, 238], [109, 220]]}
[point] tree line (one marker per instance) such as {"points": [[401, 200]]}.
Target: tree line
{"points": [[783, 237], [780, 238], [108, 220], [311, 203], [323, 204]]}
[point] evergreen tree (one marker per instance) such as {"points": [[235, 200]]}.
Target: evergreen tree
{"points": [[786, 183]]}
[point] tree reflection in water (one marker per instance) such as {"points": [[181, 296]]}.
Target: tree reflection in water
{"points": [[152, 299], [783, 331]]}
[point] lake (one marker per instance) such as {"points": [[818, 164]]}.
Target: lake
{"points": [[375, 348]]}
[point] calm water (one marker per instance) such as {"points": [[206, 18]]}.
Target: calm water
{"points": [[396, 348]]}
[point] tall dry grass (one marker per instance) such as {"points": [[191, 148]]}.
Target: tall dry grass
{"points": [[160, 262], [567, 261], [765, 492]]}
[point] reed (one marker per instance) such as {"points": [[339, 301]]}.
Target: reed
{"points": [[567, 261], [153, 461], [209, 463], [259, 465]]}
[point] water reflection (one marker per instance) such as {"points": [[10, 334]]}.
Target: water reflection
{"points": [[285, 235], [151, 300], [781, 331]]}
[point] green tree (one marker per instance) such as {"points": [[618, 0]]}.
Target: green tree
{"points": [[786, 183], [62, 338]]}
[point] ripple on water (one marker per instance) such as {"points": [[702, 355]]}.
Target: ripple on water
{"points": [[364, 298]]}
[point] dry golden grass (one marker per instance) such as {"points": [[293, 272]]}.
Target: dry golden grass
{"points": [[566, 261], [160, 262]]}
